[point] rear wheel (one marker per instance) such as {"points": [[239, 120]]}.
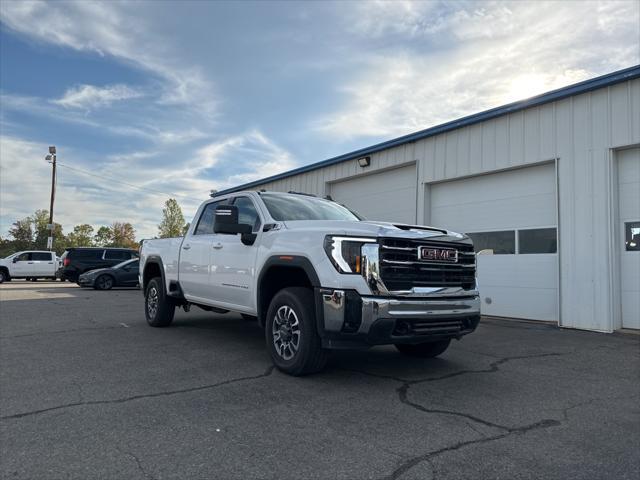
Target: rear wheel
{"points": [[424, 350], [291, 334], [103, 282], [158, 308]]}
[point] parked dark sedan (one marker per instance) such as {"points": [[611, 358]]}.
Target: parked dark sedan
{"points": [[124, 274]]}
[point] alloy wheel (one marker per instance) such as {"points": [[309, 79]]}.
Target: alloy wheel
{"points": [[152, 302], [286, 332]]}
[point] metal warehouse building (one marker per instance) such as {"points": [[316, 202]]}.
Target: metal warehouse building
{"points": [[548, 188]]}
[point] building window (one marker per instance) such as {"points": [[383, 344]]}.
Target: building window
{"points": [[538, 240], [500, 243], [632, 236]]}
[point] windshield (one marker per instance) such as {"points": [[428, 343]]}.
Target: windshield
{"points": [[284, 206], [126, 262]]}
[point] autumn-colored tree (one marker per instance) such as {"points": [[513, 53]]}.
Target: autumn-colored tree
{"points": [[123, 235], [172, 224]]}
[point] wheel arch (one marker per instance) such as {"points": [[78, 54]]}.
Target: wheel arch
{"points": [[282, 271], [153, 267]]}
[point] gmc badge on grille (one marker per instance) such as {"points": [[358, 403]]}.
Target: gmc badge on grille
{"points": [[431, 254]]}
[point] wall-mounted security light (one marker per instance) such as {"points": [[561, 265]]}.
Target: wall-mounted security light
{"points": [[364, 161]]}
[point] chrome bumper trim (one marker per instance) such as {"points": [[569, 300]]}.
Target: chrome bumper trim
{"points": [[375, 308]]}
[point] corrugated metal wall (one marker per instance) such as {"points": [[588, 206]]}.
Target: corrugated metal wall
{"points": [[581, 132]]}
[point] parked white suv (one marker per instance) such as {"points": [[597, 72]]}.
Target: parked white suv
{"points": [[316, 276], [30, 264]]}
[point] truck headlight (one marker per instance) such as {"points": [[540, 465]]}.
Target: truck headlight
{"points": [[346, 252]]}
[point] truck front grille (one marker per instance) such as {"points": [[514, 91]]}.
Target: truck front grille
{"points": [[400, 268]]}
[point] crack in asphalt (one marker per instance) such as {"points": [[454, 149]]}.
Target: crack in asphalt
{"points": [[167, 393], [403, 390], [493, 367], [138, 463], [409, 464]]}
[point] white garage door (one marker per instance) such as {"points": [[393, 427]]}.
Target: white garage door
{"points": [[512, 218], [389, 196], [629, 224]]}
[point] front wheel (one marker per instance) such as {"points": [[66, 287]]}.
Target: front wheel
{"points": [[3, 276], [291, 333], [424, 350], [158, 308], [103, 282]]}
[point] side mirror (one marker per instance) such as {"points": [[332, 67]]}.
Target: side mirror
{"points": [[227, 222], [15, 259]]}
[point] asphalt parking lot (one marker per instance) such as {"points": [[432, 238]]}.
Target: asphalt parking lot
{"points": [[88, 390]]}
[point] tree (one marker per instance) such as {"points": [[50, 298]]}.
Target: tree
{"points": [[103, 237], [82, 236], [123, 235], [22, 233], [40, 220], [172, 224]]}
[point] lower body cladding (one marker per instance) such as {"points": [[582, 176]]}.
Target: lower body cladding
{"points": [[349, 320]]}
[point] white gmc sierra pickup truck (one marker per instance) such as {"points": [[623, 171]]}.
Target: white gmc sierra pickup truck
{"points": [[316, 276]]}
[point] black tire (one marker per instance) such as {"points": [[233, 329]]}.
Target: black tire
{"points": [[248, 318], [104, 282], [424, 350], [4, 276], [308, 356], [158, 312]]}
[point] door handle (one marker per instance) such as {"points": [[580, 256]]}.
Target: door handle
{"points": [[186, 247], [217, 246], [30, 263]]}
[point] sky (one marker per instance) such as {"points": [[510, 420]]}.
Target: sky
{"points": [[150, 100]]}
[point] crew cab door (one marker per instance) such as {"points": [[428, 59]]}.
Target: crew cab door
{"points": [[43, 264], [195, 255], [233, 263], [22, 265]]}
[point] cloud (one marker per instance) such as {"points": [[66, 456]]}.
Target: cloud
{"points": [[113, 29], [486, 54], [89, 96], [106, 195]]}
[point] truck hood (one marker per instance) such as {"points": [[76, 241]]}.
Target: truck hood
{"points": [[375, 229]]}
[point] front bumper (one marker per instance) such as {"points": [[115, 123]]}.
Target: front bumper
{"points": [[85, 281], [348, 319]]}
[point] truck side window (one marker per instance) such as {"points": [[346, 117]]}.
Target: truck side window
{"points": [[247, 212], [41, 256], [208, 216], [24, 257]]}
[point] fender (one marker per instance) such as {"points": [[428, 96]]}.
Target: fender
{"points": [[151, 260], [289, 261]]}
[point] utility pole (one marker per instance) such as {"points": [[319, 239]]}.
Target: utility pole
{"points": [[51, 158]]}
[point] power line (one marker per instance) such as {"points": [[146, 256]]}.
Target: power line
{"points": [[115, 180]]}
